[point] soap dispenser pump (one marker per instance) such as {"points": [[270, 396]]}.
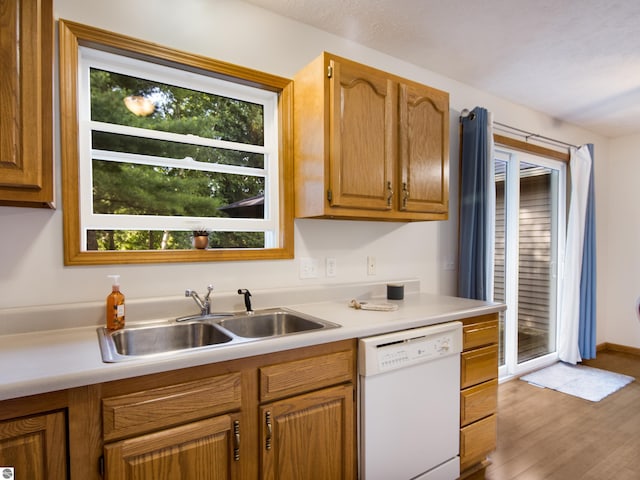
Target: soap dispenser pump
{"points": [[115, 305]]}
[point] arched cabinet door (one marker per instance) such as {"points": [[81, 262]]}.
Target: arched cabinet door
{"points": [[362, 136], [424, 149], [26, 109]]}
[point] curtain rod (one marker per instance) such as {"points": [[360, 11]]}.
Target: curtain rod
{"points": [[523, 133], [528, 135]]}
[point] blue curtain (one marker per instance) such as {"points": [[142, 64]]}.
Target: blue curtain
{"points": [[587, 319], [474, 164]]}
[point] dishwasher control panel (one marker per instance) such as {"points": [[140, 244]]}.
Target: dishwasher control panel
{"points": [[412, 351], [409, 347]]}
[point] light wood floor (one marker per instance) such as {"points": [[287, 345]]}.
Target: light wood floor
{"points": [[544, 434]]}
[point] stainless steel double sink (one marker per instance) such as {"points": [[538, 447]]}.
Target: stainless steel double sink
{"points": [[203, 332]]}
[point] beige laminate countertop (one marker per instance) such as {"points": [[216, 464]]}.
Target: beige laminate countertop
{"points": [[45, 361]]}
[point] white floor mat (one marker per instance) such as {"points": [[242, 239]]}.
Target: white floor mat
{"points": [[578, 380]]}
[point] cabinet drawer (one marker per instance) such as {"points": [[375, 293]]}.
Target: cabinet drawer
{"points": [[299, 376], [479, 334], [166, 406], [479, 365], [477, 440], [478, 402]]}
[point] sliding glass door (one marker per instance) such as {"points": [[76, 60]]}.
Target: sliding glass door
{"points": [[529, 235]]}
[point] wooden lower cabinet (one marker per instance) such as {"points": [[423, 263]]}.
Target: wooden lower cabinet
{"points": [[281, 416], [476, 440], [308, 417], [309, 436], [478, 394], [206, 450], [287, 415], [202, 423], [36, 446]]}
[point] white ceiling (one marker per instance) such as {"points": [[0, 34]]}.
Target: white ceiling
{"points": [[576, 60]]}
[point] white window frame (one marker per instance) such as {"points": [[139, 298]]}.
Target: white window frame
{"points": [[91, 58]]}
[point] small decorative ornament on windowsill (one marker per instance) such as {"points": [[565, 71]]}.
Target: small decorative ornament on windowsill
{"points": [[200, 239]]}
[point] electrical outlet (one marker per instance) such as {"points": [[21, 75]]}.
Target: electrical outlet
{"points": [[371, 265], [308, 268], [330, 266], [449, 264]]}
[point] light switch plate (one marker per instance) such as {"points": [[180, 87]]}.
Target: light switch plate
{"points": [[371, 265]]}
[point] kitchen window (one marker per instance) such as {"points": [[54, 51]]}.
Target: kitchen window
{"points": [[163, 147]]}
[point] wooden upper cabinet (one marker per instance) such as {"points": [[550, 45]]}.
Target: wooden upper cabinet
{"points": [[26, 149], [368, 144], [362, 137], [424, 149]]}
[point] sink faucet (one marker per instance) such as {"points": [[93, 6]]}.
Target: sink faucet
{"points": [[205, 305], [247, 299]]}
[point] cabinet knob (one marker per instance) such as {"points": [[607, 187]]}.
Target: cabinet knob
{"points": [[389, 193]]}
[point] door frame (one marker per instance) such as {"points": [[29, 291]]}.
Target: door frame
{"points": [[514, 157]]}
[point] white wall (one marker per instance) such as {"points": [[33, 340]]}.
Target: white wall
{"points": [[31, 266], [619, 281]]}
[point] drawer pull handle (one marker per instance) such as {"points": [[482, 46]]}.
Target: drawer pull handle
{"points": [[269, 430], [389, 193], [405, 194], [236, 440]]}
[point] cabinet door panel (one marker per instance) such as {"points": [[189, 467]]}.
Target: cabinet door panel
{"points": [[26, 132], [424, 149], [362, 137], [35, 446], [201, 450], [310, 436]]}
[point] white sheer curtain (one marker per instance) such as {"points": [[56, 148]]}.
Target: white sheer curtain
{"points": [[580, 169]]}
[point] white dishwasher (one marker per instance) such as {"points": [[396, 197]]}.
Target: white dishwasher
{"points": [[409, 400]]}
